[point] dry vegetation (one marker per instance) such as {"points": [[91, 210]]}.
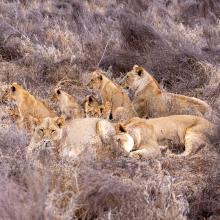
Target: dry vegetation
{"points": [[45, 41]]}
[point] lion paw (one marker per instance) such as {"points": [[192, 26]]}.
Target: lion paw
{"points": [[135, 155]]}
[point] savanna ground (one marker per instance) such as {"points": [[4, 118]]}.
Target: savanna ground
{"points": [[43, 42]]}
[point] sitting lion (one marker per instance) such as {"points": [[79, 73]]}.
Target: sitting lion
{"points": [[68, 104], [146, 137], [150, 101], [95, 109], [69, 139], [121, 107], [28, 106]]}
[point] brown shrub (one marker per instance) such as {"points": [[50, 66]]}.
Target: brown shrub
{"points": [[46, 42]]}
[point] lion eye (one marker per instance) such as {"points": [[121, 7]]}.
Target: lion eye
{"points": [[41, 130], [118, 140], [101, 109], [53, 131]]}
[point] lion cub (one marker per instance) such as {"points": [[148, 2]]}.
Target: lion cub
{"points": [[68, 104], [95, 109], [121, 107], [147, 137], [28, 106], [150, 101]]}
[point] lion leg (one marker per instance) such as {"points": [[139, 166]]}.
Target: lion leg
{"points": [[106, 110], [146, 153], [21, 122], [193, 141]]}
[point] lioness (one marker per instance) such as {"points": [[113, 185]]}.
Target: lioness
{"points": [[68, 104], [150, 101], [46, 130], [69, 139], [147, 136], [95, 109], [28, 106], [121, 107]]}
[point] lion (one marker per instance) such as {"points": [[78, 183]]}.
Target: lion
{"points": [[10, 108], [28, 107], [69, 138], [121, 106], [150, 101], [68, 104], [45, 130], [95, 109], [147, 137], [13, 113]]}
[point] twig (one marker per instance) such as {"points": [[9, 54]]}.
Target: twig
{"points": [[106, 46]]}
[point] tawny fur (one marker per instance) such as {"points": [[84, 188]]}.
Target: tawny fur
{"points": [[69, 139], [150, 101], [150, 135], [68, 104], [95, 109], [48, 132], [112, 93], [28, 106]]}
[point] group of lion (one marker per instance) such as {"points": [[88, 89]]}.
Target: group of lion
{"points": [[141, 127]]}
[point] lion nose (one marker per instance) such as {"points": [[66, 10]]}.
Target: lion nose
{"points": [[89, 86], [117, 140], [47, 143]]}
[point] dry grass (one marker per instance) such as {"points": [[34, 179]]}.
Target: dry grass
{"points": [[45, 42]]}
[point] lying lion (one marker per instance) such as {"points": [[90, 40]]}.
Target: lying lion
{"points": [[69, 139], [68, 104], [150, 101], [145, 138], [121, 107], [28, 106]]}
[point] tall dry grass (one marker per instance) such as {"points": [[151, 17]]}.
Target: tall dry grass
{"points": [[44, 42]]}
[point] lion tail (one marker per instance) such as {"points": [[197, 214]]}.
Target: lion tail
{"points": [[202, 105]]}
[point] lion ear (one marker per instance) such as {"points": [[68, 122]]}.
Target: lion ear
{"points": [[60, 121], [139, 70], [135, 67], [120, 128], [36, 121], [101, 108], [13, 88], [58, 91], [90, 99]]}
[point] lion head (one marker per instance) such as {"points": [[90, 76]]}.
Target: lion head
{"points": [[96, 80], [56, 95], [12, 92], [92, 107], [48, 131], [123, 139], [135, 78]]}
